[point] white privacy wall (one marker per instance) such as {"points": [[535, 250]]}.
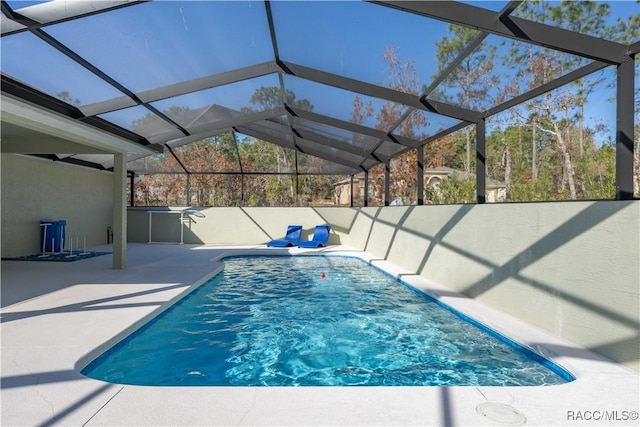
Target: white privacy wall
{"points": [[571, 268], [228, 226], [35, 190]]}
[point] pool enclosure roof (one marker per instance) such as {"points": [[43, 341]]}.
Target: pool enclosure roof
{"points": [[319, 78]]}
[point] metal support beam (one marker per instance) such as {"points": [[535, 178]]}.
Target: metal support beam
{"points": [[624, 130], [351, 193], [276, 55], [420, 178], [333, 143], [481, 170], [119, 211], [387, 183], [215, 128], [445, 132], [182, 88], [177, 159], [547, 87], [252, 131], [366, 188], [132, 189], [520, 29], [188, 189], [509, 8], [235, 143], [242, 197], [477, 40], [353, 127], [380, 92]]}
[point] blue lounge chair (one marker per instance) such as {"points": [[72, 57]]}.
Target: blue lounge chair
{"points": [[320, 238], [291, 239]]}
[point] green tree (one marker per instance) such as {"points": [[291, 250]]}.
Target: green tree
{"points": [[472, 80], [600, 181], [66, 97], [563, 151], [585, 17], [281, 188], [455, 189], [215, 154], [270, 97], [401, 76]]}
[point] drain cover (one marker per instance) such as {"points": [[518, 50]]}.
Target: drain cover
{"points": [[501, 413]]}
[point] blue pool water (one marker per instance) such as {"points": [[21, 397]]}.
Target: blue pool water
{"points": [[315, 320]]}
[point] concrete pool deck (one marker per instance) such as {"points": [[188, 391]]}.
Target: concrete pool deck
{"points": [[55, 316]]}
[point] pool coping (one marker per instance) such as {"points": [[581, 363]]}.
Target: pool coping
{"points": [[41, 385]]}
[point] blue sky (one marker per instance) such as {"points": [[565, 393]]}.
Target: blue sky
{"points": [[170, 42]]}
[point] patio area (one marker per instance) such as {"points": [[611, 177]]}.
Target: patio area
{"points": [[55, 316]]}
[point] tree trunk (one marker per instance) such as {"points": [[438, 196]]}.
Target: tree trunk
{"points": [[568, 165], [581, 129], [468, 82], [506, 161], [467, 163], [636, 175], [534, 154]]}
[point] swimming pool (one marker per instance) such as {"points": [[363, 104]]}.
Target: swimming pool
{"points": [[313, 321]]}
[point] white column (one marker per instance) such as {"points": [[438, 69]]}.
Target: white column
{"points": [[119, 211]]}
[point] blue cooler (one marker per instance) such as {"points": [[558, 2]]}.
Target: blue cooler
{"points": [[52, 235], [46, 234], [61, 235]]}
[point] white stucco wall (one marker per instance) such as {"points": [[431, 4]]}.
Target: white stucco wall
{"points": [[230, 225], [571, 268], [33, 190]]}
